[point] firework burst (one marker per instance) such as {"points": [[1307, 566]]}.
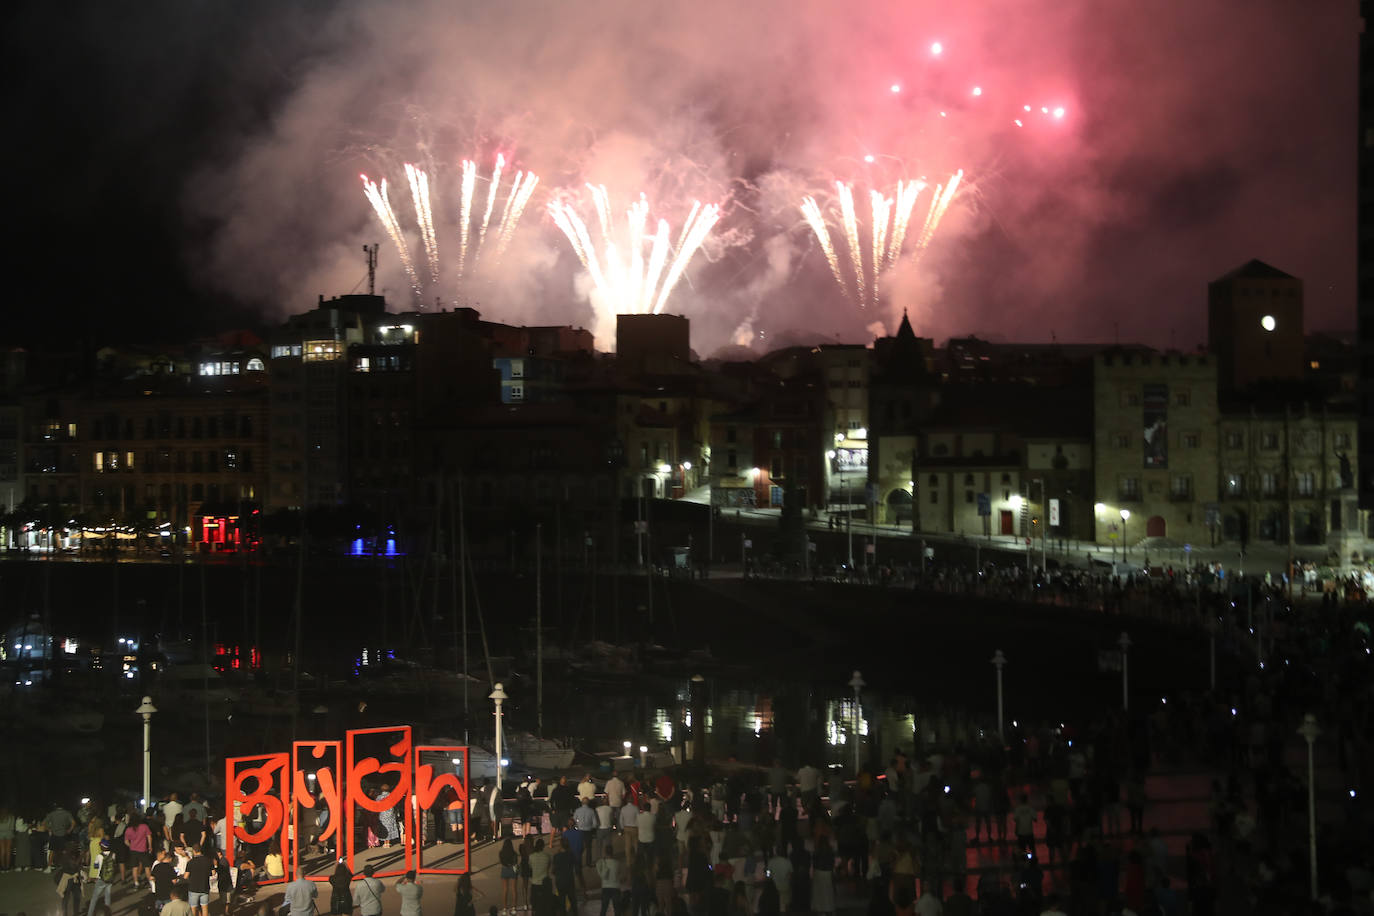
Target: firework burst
{"points": [[475, 224], [635, 270], [888, 228]]}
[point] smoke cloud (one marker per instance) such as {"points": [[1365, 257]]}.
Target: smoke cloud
{"points": [[1196, 134]]}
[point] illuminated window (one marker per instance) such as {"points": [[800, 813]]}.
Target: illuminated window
{"points": [[1181, 486], [1269, 483], [1341, 440], [517, 368], [1269, 441], [255, 365], [1235, 440], [128, 461], [517, 392], [1130, 488], [1191, 440], [322, 350], [99, 462], [1306, 483]]}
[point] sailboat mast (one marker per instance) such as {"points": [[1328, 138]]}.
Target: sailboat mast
{"points": [[539, 628]]}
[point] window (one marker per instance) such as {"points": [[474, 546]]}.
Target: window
{"points": [[729, 434], [968, 480], [1130, 488], [1181, 399], [1121, 440], [1235, 485], [1269, 483], [212, 461], [1130, 399], [777, 438], [1269, 441], [128, 461], [323, 350], [799, 465], [934, 480], [1006, 478], [775, 468], [731, 459], [284, 350], [517, 392], [968, 496], [934, 497], [1181, 486], [1306, 483], [1235, 440], [1191, 440], [99, 462], [255, 365], [231, 458], [517, 368], [1341, 440]]}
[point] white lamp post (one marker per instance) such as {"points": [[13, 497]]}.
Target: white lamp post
{"points": [[1124, 641], [498, 696], [1125, 517], [146, 710], [643, 756], [998, 661], [857, 682], [1310, 731]]}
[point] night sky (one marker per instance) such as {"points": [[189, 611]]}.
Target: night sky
{"points": [[184, 166]]}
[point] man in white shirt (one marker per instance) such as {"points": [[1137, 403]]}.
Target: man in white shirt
{"points": [[170, 809], [928, 904], [615, 795], [682, 820], [808, 783], [644, 823], [605, 823], [586, 789], [629, 825]]}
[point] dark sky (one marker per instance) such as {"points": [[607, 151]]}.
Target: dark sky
{"points": [[174, 166]]}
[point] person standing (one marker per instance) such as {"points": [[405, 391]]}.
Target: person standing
{"points": [[103, 870], [411, 891], [300, 896], [340, 883], [644, 824], [68, 882], [629, 826], [367, 896], [169, 810], [778, 777], [808, 783], [391, 829], [162, 876], [6, 837], [138, 837], [584, 837], [1024, 817], [176, 903], [198, 884], [586, 789], [60, 825], [23, 848], [608, 870], [562, 800], [462, 899], [539, 879], [615, 797], [510, 873]]}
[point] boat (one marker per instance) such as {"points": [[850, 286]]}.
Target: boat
{"points": [[537, 753]]}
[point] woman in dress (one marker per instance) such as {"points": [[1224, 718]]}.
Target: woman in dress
{"points": [[523, 887], [391, 829]]}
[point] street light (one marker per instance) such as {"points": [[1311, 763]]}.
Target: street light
{"points": [[1125, 517], [857, 682], [498, 696], [1310, 731], [643, 756], [1124, 641], [998, 661], [146, 710]]}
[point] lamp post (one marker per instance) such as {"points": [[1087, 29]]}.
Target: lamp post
{"points": [[1125, 517], [643, 756], [498, 696], [1310, 731], [857, 682], [998, 661], [1124, 641], [146, 710]]}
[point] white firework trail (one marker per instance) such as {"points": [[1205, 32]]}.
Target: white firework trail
{"points": [[491, 202], [424, 216], [888, 230], [465, 212], [510, 218], [627, 280], [381, 203]]}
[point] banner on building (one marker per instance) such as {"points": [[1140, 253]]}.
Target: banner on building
{"points": [[1054, 512], [1155, 399], [849, 461]]}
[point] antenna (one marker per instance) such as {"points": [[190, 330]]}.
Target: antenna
{"points": [[371, 251]]}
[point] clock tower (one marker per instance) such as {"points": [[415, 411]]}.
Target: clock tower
{"points": [[1254, 326]]}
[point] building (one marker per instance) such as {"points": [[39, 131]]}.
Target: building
{"points": [[1255, 326], [1364, 254], [903, 390], [1155, 426]]}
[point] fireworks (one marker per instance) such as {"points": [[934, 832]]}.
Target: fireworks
{"points": [[888, 228], [377, 196], [471, 253], [634, 270]]}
